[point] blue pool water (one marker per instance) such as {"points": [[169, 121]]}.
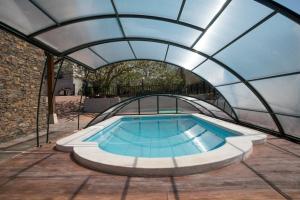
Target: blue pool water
{"points": [[160, 136]]}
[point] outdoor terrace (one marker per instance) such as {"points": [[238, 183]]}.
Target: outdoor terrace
{"points": [[271, 172]]}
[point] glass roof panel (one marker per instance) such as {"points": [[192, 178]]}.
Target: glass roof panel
{"points": [[23, 16], [114, 51], [290, 125], [272, 48], [87, 57], [214, 109], [214, 73], [204, 111], [282, 93], [257, 118], [149, 50], [293, 5], [155, 29], [188, 98], [161, 8], [235, 19], [207, 105], [72, 35], [200, 12], [239, 95], [183, 57], [221, 114], [63, 10]]}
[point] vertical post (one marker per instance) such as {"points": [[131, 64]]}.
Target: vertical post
{"points": [[52, 96], [143, 85], [83, 89], [157, 104], [176, 105], [139, 106], [50, 86], [38, 106]]}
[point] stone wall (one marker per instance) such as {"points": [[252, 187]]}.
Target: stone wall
{"points": [[21, 66]]}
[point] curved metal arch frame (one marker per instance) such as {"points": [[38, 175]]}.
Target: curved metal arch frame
{"points": [[113, 16], [110, 107], [241, 79], [271, 4], [138, 99], [145, 96], [166, 95], [281, 9], [181, 97], [263, 101], [122, 39], [274, 117], [132, 99], [232, 110], [294, 139], [220, 109], [39, 102], [117, 16]]}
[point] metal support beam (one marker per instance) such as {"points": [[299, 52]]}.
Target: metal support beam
{"points": [[245, 32], [139, 106], [281, 9], [212, 21], [166, 53], [101, 17], [97, 54], [181, 9], [122, 104], [157, 104], [176, 105], [43, 11], [256, 93], [38, 105], [50, 87]]}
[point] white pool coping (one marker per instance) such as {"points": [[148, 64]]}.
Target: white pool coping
{"points": [[90, 155]]}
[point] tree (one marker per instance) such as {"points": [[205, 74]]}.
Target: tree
{"points": [[133, 73]]}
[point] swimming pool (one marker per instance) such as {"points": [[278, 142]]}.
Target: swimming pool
{"points": [[160, 145], [160, 136]]}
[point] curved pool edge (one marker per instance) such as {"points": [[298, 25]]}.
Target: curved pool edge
{"points": [[90, 155]]}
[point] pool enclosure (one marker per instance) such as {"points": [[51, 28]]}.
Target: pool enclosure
{"points": [[155, 104], [249, 50]]}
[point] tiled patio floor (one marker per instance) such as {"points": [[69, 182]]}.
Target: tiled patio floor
{"points": [[271, 172]]}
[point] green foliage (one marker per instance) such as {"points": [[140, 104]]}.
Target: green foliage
{"points": [[70, 69], [133, 73]]}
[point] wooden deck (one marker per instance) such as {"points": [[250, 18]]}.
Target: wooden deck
{"points": [[271, 172]]}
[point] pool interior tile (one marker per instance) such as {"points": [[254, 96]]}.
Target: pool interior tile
{"points": [[153, 136]]}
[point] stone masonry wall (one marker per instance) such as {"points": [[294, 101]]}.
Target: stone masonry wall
{"points": [[21, 66]]}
